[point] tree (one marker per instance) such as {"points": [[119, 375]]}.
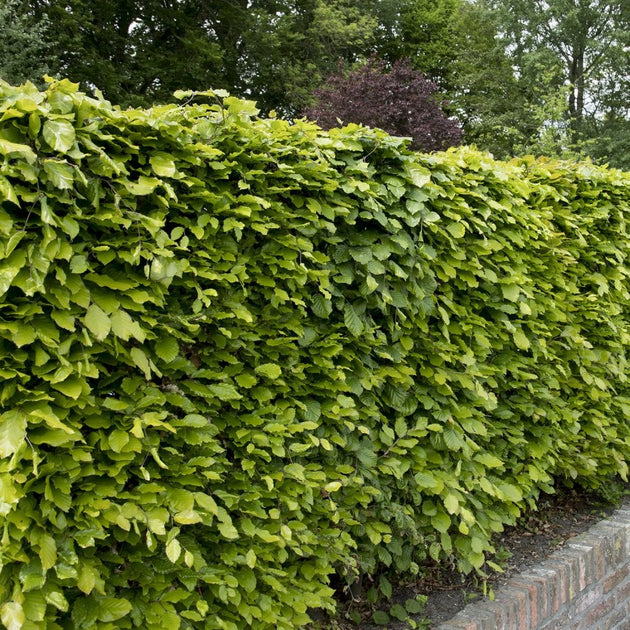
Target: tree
{"points": [[399, 100], [484, 92], [274, 51], [135, 51], [580, 48], [610, 142], [423, 32], [586, 39], [24, 46], [453, 42], [299, 43]]}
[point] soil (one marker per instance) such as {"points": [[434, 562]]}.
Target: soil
{"points": [[537, 535]]}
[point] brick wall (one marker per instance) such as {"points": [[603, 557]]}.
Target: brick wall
{"points": [[584, 586]]}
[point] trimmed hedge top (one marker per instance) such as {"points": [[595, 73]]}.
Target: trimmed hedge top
{"points": [[238, 355]]}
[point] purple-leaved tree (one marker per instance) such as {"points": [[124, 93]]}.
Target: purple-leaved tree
{"points": [[399, 100]]}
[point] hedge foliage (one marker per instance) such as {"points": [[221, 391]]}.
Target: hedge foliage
{"points": [[238, 355]]}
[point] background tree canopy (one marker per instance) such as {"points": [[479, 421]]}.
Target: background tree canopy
{"points": [[541, 76]]}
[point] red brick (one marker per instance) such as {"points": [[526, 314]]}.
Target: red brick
{"points": [[553, 583], [619, 546], [497, 612], [571, 560], [600, 558], [563, 586], [509, 606], [555, 624], [532, 598], [622, 594], [522, 602], [615, 578], [582, 568], [587, 562], [561, 567], [587, 599], [617, 616], [599, 546], [599, 611]]}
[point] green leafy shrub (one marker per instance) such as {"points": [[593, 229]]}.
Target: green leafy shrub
{"points": [[239, 355]]}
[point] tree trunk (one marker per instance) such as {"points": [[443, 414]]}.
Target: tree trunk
{"points": [[576, 95]]}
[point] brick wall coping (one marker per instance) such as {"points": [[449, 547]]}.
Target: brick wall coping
{"points": [[583, 586]]}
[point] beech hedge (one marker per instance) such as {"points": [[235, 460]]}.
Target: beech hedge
{"points": [[240, 355]]}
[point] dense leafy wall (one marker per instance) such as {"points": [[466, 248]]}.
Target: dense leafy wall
{"points": [[240, 354]]}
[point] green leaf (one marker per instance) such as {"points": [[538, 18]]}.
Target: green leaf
{"points": [[435, 551], [313, 410], [250, 559], [321, 306], [79, 263], [64, 319], [333, 486], [456, 229], [163, 164], [228, 531], [141, 360], [352, 320], [426, 481], [362, 255], [451, 503], [112, 609], [12, 616], [124, 327], [414, 607], [247, 579], [71, 387], [385, 586], [14, 149], [12, 431], [510, 492], [173, 550], [57, 599], [270, 370], [9, 269], [224, 391], [34, 606], [163, 270], [144, 185], [521, 340], [398, 612], [441, 521], [7, 192], [60, 174], [167, 348], [452, 439], [380, 618], [87, 579], [117, 440], [488, 460], [187, 517], [418, 175], [510, 291], [246, 380], [97, 322], [23, 336], [59, 134], [47, 551], [46, 413]]}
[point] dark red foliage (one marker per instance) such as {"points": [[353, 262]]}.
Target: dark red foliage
{"points": [[400, 101]]}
